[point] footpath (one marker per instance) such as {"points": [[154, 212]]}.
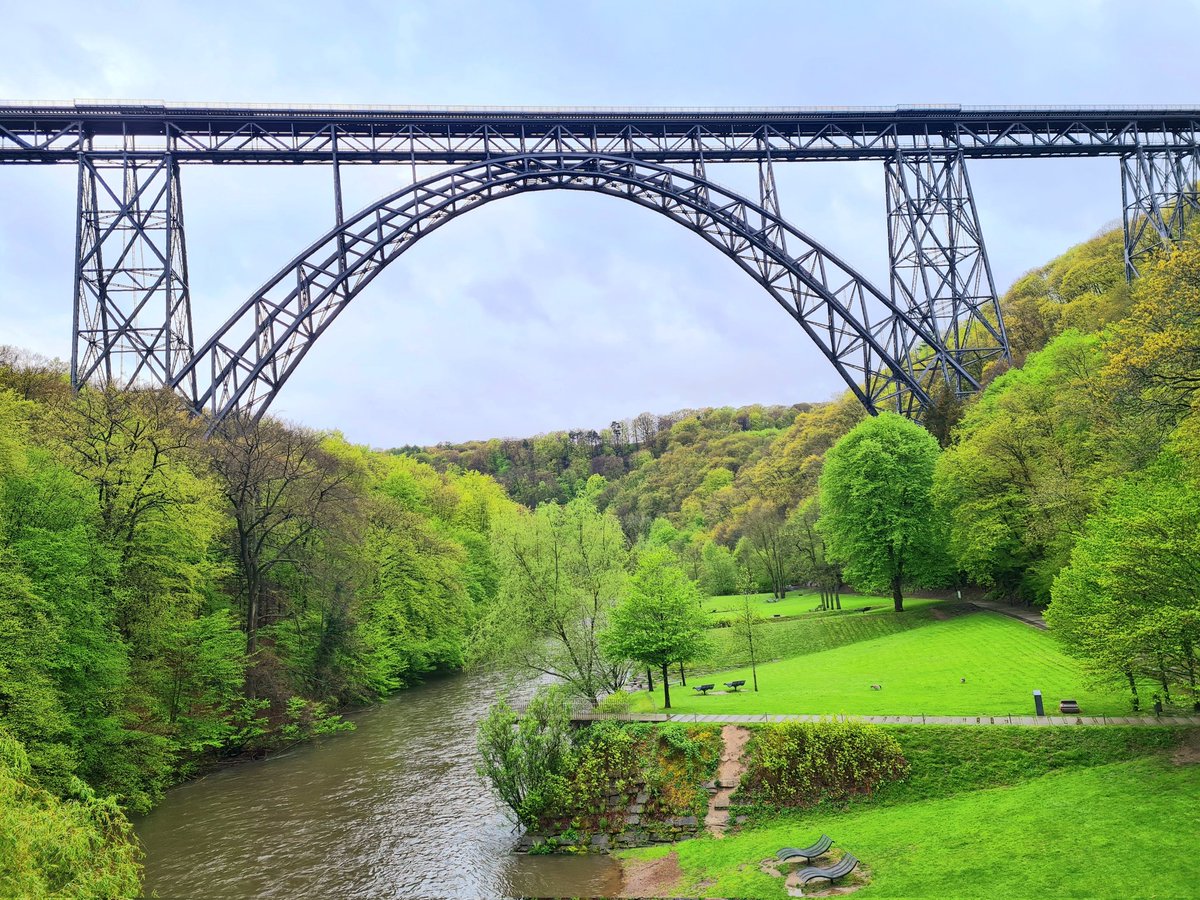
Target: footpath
{"points": [[900, 720], [1023, 613]]}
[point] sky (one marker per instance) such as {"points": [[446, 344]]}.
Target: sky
{"points": [[554, 311]]}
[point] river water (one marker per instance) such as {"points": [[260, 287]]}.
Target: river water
{"points": [[393, 809]]}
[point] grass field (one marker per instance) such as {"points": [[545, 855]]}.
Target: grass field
{"points": [[920, 670], [798, 603], [815, 632], [1119, 830]]}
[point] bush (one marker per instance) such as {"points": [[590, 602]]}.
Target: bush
{"points": [[805, 763], [82, 846], [523, 756]]}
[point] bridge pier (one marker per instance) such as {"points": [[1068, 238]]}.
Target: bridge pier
{"points": [[132, 318], [939, 266], [1159, 196]]}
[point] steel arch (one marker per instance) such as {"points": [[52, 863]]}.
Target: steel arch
{"points": [[252, 355]]}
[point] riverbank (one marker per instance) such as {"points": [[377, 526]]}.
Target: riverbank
{"points": [[394, 808]]}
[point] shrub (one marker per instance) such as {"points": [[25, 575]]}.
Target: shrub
{"points": [[523, 756], [804, 763], [81, 846]]}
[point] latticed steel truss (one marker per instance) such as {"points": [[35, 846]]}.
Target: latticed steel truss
{"points": [[1159, 194], [940, 270], [940, 324], [132, 317], [862, 333]]}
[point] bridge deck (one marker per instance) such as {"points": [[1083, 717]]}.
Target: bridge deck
{"points": [[57, 132]]}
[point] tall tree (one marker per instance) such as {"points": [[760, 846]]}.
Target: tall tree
{"points": [[766, 546], [282, 489], [1129, 603], [561, 571], [877, 515], [812, 560], [659, 622]]}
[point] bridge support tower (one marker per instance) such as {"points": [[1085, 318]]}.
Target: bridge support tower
{"points": [[939, 266], [133, 316], [1159, 196]]}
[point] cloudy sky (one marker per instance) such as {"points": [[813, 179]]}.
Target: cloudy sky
{"points": [[559, 310]]}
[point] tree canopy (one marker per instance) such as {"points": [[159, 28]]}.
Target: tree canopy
{"points": [[877, 514], [659, 622]]}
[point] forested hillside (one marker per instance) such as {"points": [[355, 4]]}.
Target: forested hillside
{"points": [[1025, 463], [168, 601]]}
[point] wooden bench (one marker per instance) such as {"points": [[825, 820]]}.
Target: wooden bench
{"points": [[840, 869], [704, 688], [1068, 706], [734, 685], [808, 853]]}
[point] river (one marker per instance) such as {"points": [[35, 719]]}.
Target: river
{"points": [[392, 809]]}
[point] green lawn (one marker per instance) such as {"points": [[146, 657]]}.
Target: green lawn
{"points": [[815, 632], [1120, 830], [798, 603], [1003, 661]]}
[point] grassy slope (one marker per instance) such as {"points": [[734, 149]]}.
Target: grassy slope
{"points": [[817, 631], [1003, 661], [794, 604], [1136, 839]]}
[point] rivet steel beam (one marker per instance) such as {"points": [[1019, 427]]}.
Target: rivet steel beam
{"points": [[1159, 196], [133, 320], [939, 267]]}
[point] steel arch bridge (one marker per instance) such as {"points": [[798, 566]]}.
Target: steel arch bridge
{"points": [[938, 325]]}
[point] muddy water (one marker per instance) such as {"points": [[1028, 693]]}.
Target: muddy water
{"points": [[393, 809]]}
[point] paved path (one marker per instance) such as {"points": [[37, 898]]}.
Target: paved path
{"points": [[904, 720], [1024, 613]]}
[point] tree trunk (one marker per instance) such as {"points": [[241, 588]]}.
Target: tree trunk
{"points": [[681, 677], [753, 667], [666, 688], [649, 681], [1137, 703], [897, 596]]}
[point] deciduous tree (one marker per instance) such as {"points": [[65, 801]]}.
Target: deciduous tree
{"points": [[877, 516], [659, 622]]}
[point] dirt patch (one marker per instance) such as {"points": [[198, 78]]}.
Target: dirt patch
{"points": [[939, 614], [651, 877], [1188, 751], [729, 774], [855, 881], [770, 867]]}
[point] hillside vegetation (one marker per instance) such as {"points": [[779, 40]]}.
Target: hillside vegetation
{"points": [[167, 602]]}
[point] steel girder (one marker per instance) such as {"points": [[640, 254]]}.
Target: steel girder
{"points": [[196, 134], [867, 337], [939, 267], [132, 319], [1159, 196]]}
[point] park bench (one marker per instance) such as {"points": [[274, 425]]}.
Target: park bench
{"points": [[1068, 706], [808, 853], [840, 869], [734, 685], [704, 688]]}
